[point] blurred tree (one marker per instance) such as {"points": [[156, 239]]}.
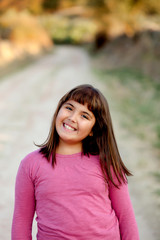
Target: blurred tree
{"points": [[68, 3], [95, 3], [150, 7], [50, 5], [35, 6], [98, 11], [98, 6], [5, 4]]}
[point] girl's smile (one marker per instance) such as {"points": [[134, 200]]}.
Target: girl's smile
{"points": [[69, 127], [74, 122]]}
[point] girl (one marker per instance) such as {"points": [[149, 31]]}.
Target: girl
{"points": [[76, 182]]}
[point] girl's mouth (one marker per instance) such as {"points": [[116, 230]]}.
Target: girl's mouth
{"points": [[68, 127]]}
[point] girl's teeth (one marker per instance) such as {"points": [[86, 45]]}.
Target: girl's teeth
{"points": [[68, 127]]}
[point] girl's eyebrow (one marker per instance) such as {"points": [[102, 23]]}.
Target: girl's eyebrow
{"points": [[68, 104]]}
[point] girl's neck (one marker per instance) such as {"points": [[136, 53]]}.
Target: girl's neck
{"points": [[68, 149]]}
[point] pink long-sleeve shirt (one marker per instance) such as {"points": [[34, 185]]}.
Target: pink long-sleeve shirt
{"points": [[71, 200]]}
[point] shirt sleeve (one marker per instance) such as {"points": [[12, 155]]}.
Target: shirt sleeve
{"points": [[24, 205], [122, 206]]}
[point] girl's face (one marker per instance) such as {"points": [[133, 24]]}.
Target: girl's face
{"points": [[74, 123]]}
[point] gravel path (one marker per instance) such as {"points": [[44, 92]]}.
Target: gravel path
{"points": [[27, 102]]}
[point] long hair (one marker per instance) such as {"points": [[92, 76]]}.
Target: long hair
{"points": [[102, 143]]}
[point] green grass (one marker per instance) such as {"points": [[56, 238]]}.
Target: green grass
{"points": [[156, 175], [157, 192], [137, 98]]}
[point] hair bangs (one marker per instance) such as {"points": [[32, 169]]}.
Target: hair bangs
{"points": [[84, 96]]}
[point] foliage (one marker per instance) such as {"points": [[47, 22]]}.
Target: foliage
{"points": [[95, 3], [113, 16], [50, 4], [23, 28], [138, 101], [65, 30], [148, 7]]}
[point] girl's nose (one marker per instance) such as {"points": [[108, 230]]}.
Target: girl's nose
{"points": [[73, 117]]}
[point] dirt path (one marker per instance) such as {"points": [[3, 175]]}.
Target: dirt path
{"points": [[27, 101]]}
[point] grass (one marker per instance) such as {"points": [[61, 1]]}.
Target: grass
{"points": [[137, 98], [156, 175]]}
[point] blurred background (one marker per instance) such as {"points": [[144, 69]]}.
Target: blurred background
{"points": [[129, 27], [48, 47]]}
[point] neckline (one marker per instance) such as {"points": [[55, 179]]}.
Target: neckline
{"points": [[68, 155]]}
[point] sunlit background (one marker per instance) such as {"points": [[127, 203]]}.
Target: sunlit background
{"points": [[49, 46]]}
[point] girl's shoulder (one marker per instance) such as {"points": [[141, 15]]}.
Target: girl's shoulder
{"points": [[32, 160], [31, 164]]}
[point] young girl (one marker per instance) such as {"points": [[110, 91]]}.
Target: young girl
{"points": [[76, 182]]}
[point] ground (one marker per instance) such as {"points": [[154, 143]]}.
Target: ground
{"points": [[28, 99]]}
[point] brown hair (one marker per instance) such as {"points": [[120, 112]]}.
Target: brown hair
{"points": [[102, 143]]}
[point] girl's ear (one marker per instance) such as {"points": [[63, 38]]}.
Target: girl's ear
{"points": [[90, 134]]}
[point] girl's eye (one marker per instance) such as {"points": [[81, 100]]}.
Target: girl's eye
{"points": [[69, 108], [84, 116]]}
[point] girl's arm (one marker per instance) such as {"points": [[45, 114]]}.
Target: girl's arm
{"points": [[24, 206], [122, 205]]}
